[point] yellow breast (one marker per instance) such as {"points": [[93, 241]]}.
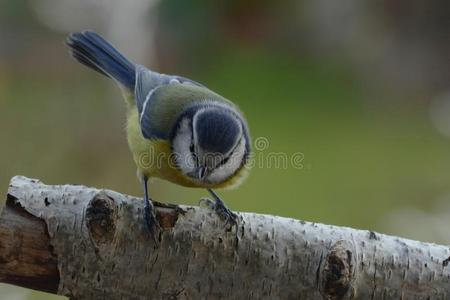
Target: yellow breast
{"points": [[154, 158]]}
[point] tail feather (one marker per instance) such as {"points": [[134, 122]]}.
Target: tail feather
{"points": [[93, 51], [85, 61]]}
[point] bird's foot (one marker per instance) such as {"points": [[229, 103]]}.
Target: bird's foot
{"points": [[151, 222], [221, 209]]}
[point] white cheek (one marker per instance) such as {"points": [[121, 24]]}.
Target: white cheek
{"points": [[181, 144], [224, 172]]}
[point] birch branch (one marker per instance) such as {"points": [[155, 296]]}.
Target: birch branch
{"points": [[86, 243]]}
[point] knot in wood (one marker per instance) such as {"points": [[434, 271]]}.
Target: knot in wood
{"points": [[101, 218], [337, 273]]}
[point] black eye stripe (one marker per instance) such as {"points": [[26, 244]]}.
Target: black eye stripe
{"points": [[193, 153], [226, 159], [191, 147]]}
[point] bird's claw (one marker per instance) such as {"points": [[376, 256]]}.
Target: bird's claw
{"points": [[222, 211], [206, 202]]}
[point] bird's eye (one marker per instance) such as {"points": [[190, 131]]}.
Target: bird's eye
{"points": [[224, 161], [194, 155]]}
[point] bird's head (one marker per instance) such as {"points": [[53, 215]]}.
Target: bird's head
{"points": [[210, 143]]}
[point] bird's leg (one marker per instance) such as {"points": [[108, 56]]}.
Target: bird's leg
{"points": [[221, 209], [149, 211]]}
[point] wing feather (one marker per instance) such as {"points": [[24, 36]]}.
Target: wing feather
{"points": [[165, 103]]}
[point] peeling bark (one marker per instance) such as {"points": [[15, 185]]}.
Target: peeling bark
{"points": [[86, 243]]}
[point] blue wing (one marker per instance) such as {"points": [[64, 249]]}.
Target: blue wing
{"points": [[150, 92]]}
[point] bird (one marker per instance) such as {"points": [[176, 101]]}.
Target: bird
{"points": [[177, 129]]}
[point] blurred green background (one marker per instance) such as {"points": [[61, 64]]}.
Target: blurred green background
{"points": [[360, 88]]}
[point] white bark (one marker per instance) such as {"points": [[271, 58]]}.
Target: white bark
{"points": [[104, 252]]}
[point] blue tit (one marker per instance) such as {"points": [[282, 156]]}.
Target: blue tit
{"points": [[177, 129]]}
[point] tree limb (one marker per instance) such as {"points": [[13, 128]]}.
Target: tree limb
{"points": [[86, 243]]}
